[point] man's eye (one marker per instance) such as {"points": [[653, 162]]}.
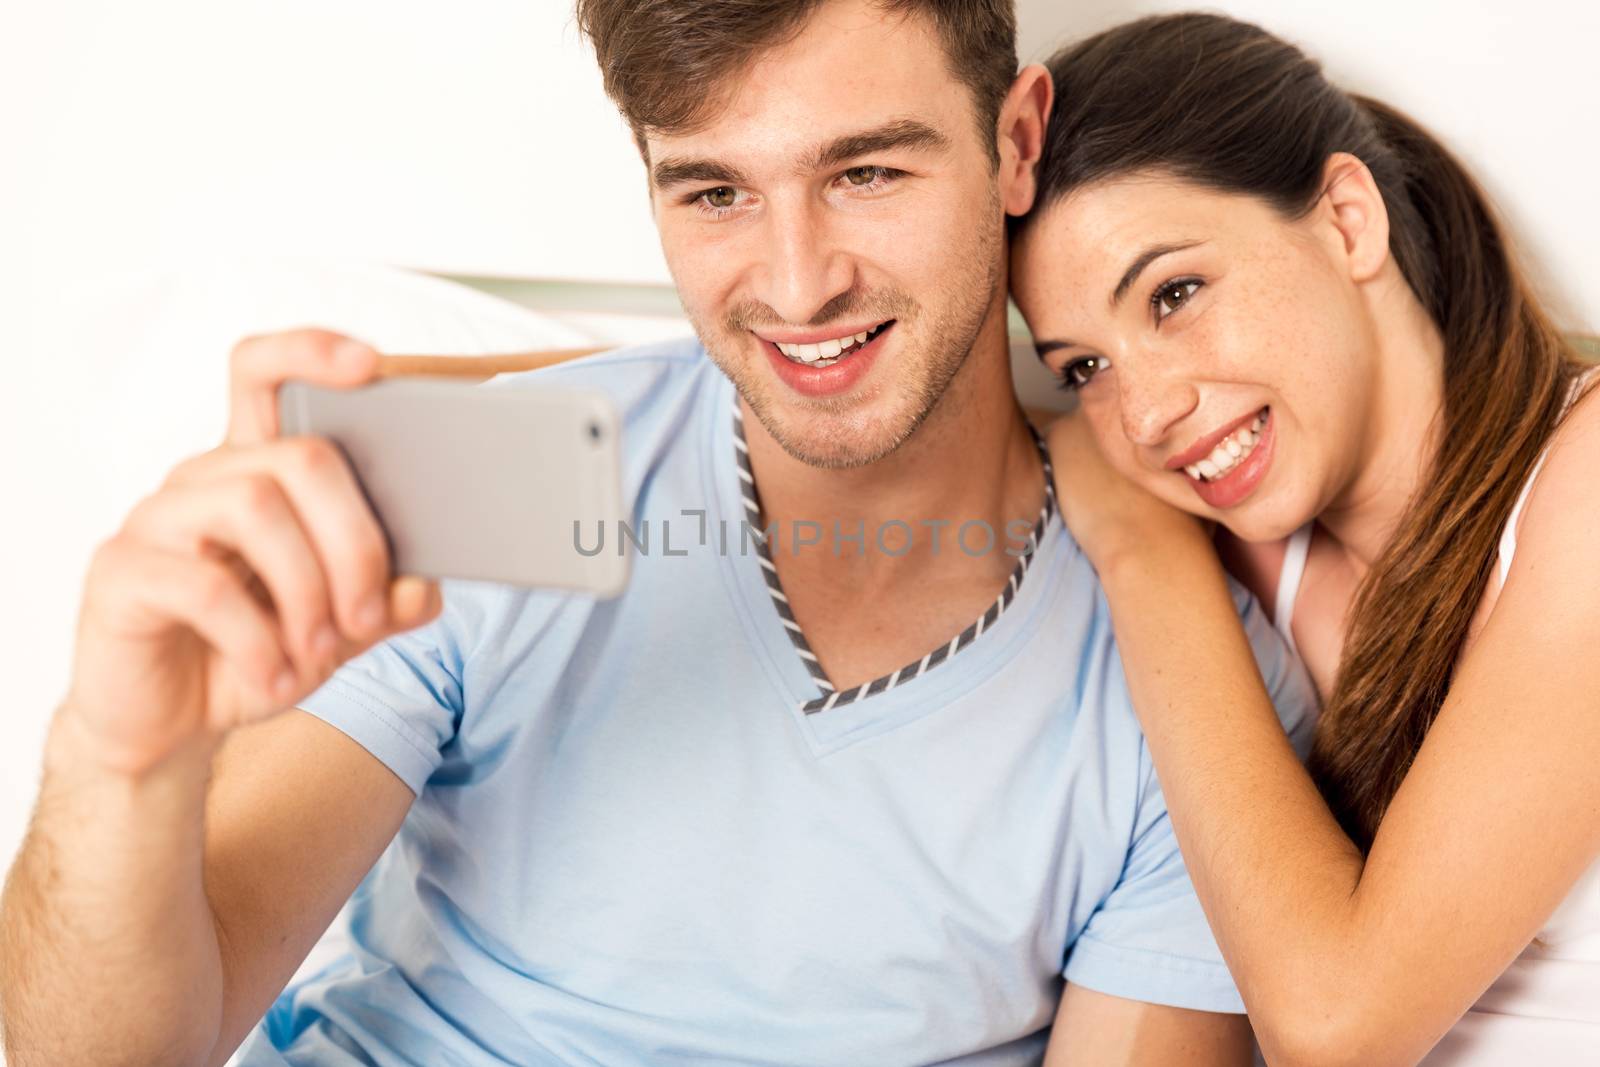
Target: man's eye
{"points": [[1173, 295], [863, 175], [723, 196]]}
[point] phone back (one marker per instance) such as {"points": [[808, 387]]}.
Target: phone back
{"points": [[496, 484]]}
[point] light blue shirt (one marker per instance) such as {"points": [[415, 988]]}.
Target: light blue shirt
{"points": [[631, 846]]}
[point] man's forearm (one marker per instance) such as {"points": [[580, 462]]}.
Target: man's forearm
{"points": [[1099, 1030], [108, 948]]}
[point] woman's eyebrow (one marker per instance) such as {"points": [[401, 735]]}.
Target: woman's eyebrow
{"points": [[1129, 276], [1044, 348], [1143, 260]]}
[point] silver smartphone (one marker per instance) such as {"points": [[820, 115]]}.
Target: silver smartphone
{"points": [[493, 483]]}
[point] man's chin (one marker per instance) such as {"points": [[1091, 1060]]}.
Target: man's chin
{"points": [[853, 429], [834, 440], [833, 456]]}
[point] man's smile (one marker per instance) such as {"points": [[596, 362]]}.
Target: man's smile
{"points": [[825, 362], [814, 351]]}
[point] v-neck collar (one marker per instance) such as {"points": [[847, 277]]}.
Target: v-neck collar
{"points": [[816, 699]]}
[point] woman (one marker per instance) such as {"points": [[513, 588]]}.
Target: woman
{"points": [[1288, 311]]}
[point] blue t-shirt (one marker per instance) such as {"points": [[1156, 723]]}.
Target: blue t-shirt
{"points": [[631, 844]]}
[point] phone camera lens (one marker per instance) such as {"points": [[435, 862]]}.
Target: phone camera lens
{"points": [[595, 433]]}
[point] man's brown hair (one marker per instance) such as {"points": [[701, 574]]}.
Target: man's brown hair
{"points": [[666, 62]]}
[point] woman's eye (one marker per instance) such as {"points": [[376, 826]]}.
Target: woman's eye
{"points": [[1076, 375], [1173, 295]]}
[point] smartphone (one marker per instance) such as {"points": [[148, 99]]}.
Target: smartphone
{"points": [[496, 483]]}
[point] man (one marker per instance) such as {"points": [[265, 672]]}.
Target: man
{"points": [[861, 797]]}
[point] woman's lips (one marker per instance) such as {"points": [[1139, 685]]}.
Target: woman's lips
{"points": [[1238, 483], [1203, 447]]}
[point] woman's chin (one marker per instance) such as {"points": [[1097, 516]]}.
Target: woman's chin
{"points": [[1263, 526], [1269, 514]]}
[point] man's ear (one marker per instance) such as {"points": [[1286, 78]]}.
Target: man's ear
{"points": [[1354, 207], [1024, 117]]}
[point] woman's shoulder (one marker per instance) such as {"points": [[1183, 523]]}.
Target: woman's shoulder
{"points": [[1562, 512]]}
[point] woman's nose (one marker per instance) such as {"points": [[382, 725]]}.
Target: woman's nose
{"points": [[1152, 404]]}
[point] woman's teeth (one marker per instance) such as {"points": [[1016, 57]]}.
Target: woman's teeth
{"points": [[826, 353], [1231, 452]]}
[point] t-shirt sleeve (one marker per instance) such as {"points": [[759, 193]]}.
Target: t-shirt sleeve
{"points": [[401, 700], [1149, 939]]}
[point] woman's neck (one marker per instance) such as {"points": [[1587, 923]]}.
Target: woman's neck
{"points": [[1402, 430]]}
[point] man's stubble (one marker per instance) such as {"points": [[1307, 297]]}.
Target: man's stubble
{"points": [[934, 346]]}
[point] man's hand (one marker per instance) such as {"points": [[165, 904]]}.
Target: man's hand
{"points": [[237, 587]]}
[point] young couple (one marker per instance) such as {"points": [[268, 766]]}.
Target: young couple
{"points": [[832, 806]]}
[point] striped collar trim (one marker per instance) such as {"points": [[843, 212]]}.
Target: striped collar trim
{"points": [[830, 696]]}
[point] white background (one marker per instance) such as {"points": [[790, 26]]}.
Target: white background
{"points": [[142, 144], [472, 136]]}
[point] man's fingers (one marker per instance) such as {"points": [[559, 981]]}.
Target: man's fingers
{"points": [[412, 602], [259, 365], [349, 544], [251, 519], [148, 589]]}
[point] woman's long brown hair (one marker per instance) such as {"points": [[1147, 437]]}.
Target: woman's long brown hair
{"points": [[1226, 105]]}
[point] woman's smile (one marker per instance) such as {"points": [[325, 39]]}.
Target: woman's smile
{"points": [[1226, 467]]}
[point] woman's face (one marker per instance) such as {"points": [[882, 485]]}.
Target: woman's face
{"points": [[1221, 352]]}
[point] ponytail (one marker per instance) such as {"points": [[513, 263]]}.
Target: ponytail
{"points": [[1507, 372]]}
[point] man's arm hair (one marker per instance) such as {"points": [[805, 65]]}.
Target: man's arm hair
{"points": [[152, 920]]}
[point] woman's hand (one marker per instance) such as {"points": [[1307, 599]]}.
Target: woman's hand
{"points": [[1114, 521]]}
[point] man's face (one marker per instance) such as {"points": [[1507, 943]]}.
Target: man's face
{"points": [[835, 232]]}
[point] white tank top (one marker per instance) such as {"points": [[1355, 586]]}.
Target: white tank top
{"points": [[1545, 1008]]}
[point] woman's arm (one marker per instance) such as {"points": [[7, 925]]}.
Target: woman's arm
{"points": [[1342, 960]]}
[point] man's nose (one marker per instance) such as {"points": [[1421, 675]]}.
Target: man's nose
{"points": [[804, 264], [1152, 403]]}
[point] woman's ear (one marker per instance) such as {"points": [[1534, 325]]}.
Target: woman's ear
{"points": [[1024, 117], [1356, 210]]}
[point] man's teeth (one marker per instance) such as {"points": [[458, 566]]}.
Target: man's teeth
{"points": [[1230, 452], [824, 353]]}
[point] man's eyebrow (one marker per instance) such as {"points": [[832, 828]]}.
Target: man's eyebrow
{"points": [[678, 170], [901, 134], [1144, 259]]}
